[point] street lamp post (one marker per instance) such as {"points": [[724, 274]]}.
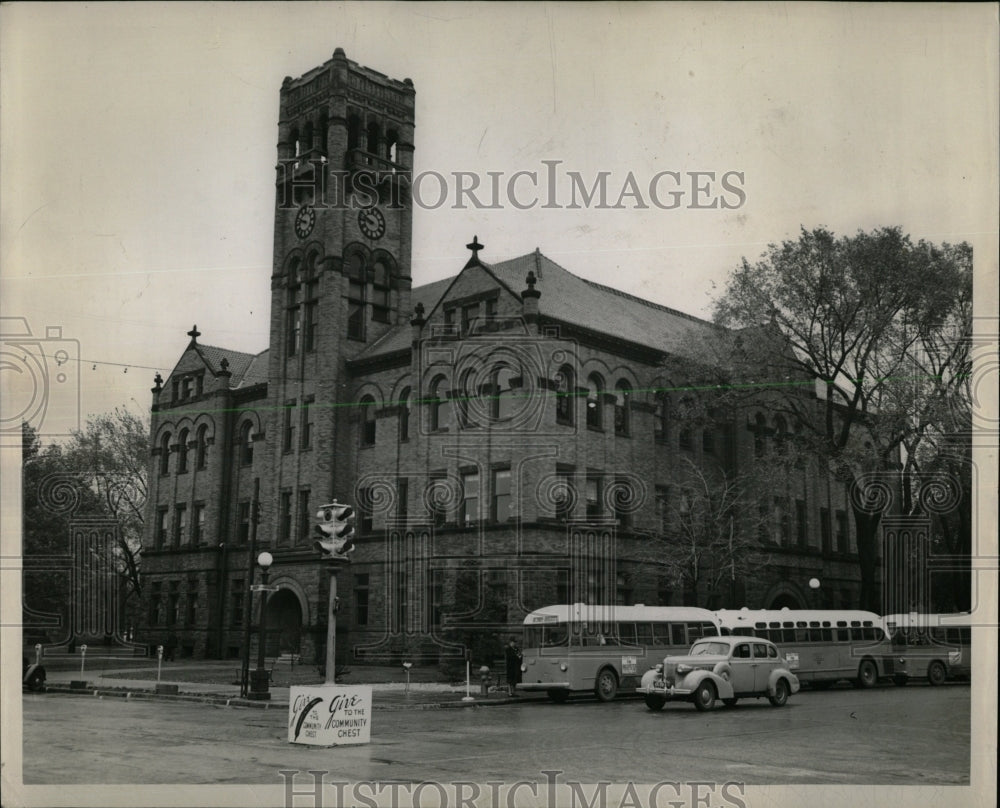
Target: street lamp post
{"points": [[259, 690]]}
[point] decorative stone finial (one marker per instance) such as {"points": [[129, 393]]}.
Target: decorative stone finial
{"points": [[194, 333], [475, 246], [158, 381], [531, 280]]}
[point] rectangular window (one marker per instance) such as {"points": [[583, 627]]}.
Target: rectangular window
{"points": [[288, 428], [438, 512], [294, 321], [243, 521], [365, 521], [191, 612], [801, 523], [449, 322], [305, 517], [162, 518], [361, 599], [782, 523], [491, 307], [624, 496], [198, 524], [824, 529], [662, 509], [356, 309], [623, 591], [155, 595], [469, 514], [684, 439], [173, 602], [236, 608], [843, 545], [307, 423], [496, 587], [285, 516], [594, 486], [180, 525], [469, 315], [708, 440], [564, 492], [501, 510], [402, 498]]}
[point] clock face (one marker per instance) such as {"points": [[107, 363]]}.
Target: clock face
{"points": [[304, 221], [372, 222]]}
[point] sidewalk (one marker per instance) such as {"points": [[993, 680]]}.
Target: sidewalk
{"points": [[391, 695]]}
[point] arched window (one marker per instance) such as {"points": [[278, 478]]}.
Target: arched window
{"points": [[503, 393], [595, 407], [391, 143], [466, 392], [438, 403], [165, 453], [565, 395], [367, 405], [661, 426], [355, 270], [201, 447], [246, 443], [374, 138], [353, 132], [381, 291], [623, 392], [182, 452], [404, 415]]}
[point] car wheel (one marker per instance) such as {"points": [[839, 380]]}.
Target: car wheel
{"points": [[704, 696], [780, 697], [654, 702], [900, 680], [936, 674], [730, 702], [558, 696], [606, 686], [867, 674]]}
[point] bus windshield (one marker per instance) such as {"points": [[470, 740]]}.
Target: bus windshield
{"points": [[550, 636]]}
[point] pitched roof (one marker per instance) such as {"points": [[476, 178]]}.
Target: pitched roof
{"points": [[571, 299]]}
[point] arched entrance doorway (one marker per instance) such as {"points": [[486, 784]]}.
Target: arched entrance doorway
{"points": [[284, 623], [785, 601]]}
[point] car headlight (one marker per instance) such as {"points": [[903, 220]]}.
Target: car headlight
{"points": [[659, 668], [523, 667], [562, 667], [684, 668]]}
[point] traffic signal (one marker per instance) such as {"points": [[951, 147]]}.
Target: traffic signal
{"points": [[336, 530]]}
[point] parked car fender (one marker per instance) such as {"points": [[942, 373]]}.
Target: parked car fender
{"points": [[723, 688], [648, 678], [782, 673]]}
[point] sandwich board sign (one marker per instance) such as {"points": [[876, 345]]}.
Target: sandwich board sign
{"points": [[330, 715]]}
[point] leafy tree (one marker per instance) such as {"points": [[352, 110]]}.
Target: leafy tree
{"points": [[880, 326]]}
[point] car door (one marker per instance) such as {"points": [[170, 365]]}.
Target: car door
{"points": [[742, 663], [764, 663]]}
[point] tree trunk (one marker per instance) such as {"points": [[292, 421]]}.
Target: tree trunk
{"points": [[867, 538]]}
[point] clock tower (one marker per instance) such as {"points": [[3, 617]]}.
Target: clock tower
{"points": [[341, 264]]}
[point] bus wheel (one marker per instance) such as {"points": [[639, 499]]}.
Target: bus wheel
{"points": [[867, 674], [655, 702], [780, 697], [900, 680], [704, 696], [558, 696], [936, 674], [606, 686]]}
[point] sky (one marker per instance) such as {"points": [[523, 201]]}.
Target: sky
{"points": [[138, 142]]}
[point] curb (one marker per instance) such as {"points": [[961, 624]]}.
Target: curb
{"points": [[236, 701]]}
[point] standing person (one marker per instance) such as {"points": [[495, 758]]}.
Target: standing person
{"points": [[512, 656]]}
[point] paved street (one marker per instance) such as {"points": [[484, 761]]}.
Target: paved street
{"points": [[917, 735]]}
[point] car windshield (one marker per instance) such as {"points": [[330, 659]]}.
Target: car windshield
{"points": [[705, 648]]}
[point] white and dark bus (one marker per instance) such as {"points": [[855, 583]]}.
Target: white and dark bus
{"points": [[604, 650]]}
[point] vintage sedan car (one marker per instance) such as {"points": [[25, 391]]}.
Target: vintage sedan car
{"points": [[726, 668]]}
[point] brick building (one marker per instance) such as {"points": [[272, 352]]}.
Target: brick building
{"points": [[508, 435]]}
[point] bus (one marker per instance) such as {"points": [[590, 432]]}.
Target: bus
{"points": [[822, 646], [935, 646], [582, 648]]}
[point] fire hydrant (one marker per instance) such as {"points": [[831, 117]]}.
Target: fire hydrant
{"points": [[484, 679]]}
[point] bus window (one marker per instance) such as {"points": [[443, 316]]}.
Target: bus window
{"points": [[965, 636], [661, 634], [644, 633], [677, 635], [626, 633], [709, 630], [801, 635], [695, 631], [843, 635]]}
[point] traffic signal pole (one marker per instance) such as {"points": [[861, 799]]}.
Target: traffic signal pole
{"points": [[331, 629]]}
